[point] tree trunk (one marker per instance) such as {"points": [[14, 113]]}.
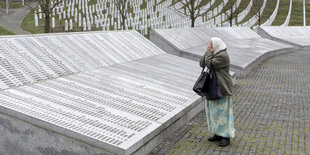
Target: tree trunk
{"points": [[47, 23], [123, 22], [259, 18], [231, 16], [193, 20], [47, 11]]}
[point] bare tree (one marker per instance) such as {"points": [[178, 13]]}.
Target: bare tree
{"points": [[230, 12], [122, 6], [258, 8], [46, 9], [191, 9]]}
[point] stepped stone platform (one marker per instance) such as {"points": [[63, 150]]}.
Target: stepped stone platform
{"points": [[297, 36], [246, 49], [91, 93]]}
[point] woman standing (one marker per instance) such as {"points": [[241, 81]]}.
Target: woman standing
{"points": [[219, 112]]}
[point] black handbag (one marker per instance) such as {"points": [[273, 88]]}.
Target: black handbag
{"points": [[207, 85], [199, 86]]}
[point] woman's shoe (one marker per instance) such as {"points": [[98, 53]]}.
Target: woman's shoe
{"points": [[224, 142], [214, 138]]}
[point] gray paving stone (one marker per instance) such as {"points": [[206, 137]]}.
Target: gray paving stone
{"points": [[271, 110]]}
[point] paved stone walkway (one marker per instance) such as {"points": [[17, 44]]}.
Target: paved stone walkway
{"points": [[271, 108], [13, 20]]}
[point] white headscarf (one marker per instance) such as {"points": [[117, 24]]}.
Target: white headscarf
{"points": [[218, 44]]}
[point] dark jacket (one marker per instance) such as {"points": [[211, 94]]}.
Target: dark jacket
{"points": [[221, 64]]}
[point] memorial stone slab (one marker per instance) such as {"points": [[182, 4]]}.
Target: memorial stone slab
{"points": [[111, 91], [297, 36], [246, 48]]}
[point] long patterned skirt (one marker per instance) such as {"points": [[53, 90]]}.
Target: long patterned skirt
{"points": [[220, 117]]}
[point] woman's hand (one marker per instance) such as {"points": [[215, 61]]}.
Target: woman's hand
{"points": [[210, 47]]}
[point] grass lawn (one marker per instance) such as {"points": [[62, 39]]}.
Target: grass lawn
{"points": [[12, 5], [282, 13], [28, 25], [308, 14], [253, 11], [28, 22], [297, 14], [215, 4], [4, 31], [269, 8], [242, 6]]}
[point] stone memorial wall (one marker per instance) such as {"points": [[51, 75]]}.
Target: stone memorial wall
{"points": [[246, 48], [28, 59], [297, 36], [116, 92]]}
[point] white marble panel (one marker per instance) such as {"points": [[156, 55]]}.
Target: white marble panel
{"points": [[296, 35], [244, 46], [41, 57], [116, 91]]}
